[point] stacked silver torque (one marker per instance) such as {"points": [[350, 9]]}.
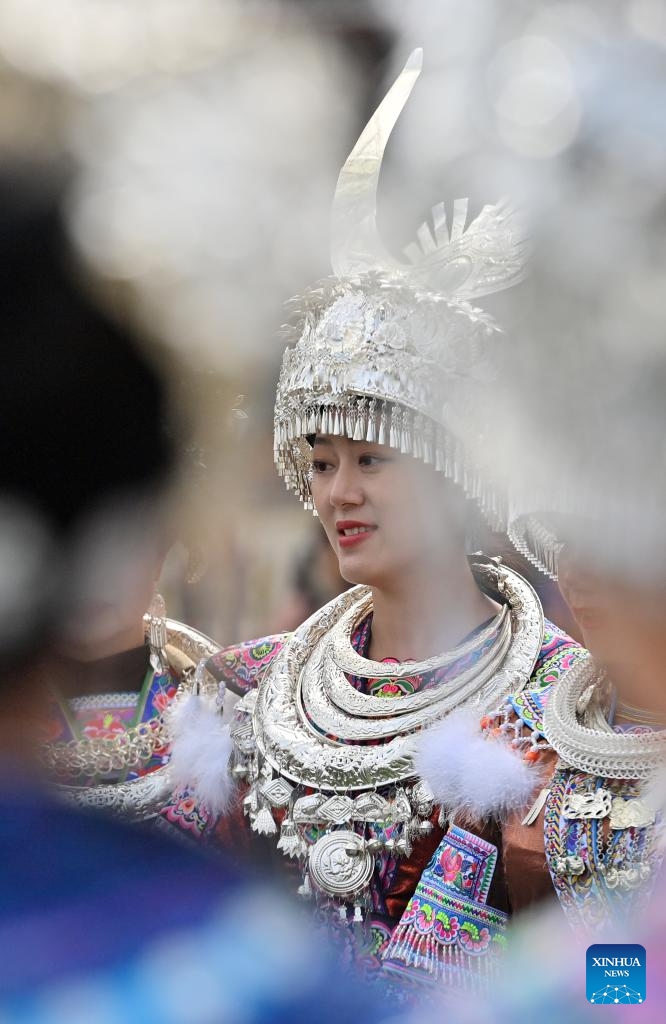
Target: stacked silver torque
{"points": [[601, 833], [318, 754], [576, 727]]}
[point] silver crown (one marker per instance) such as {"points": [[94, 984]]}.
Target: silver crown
{"points": [[386, 351]]}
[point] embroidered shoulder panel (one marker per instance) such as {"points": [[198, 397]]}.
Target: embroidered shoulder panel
{"points": [[558, 653], [242, 667]]}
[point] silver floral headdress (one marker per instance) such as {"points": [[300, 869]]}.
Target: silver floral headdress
{"points": [[386, 350]]}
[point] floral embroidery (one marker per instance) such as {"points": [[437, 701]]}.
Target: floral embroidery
{"points": [[391, 688], [445, 928], [162, 700], [474, 940], [242, 666], [185, 812], [411, 910], [447, 919], [105, 726], [558, 653], [424, 918], [449, 865]]}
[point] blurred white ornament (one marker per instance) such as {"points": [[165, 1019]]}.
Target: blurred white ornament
{"points": [[100, 44], [209, 193], [532, 89]]}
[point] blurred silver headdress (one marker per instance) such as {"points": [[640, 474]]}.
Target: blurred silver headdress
{"points": [[385, 349], [582, 447], [536, 536]]}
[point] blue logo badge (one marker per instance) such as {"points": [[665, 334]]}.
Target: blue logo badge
{"points": [[615, 974]]}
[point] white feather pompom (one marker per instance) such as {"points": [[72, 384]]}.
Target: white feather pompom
{"points": [[470, 775], [200, 751]]}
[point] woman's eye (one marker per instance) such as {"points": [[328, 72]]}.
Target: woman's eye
{"points": [[319, 466], [370, 460]]}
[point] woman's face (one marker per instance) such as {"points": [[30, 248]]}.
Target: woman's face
{"points": [[622, 622], [385, 514], [590, 599], [113, 572]]}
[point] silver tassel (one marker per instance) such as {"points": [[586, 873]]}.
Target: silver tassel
{"points": [[371, 431], [290, 841], [406, 440], [395, 432], [417, 429], [352, 420], [428, 447], [381, 436], [263, 823], [305, 890]]}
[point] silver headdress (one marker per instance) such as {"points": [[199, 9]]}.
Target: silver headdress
{"points": [[386, 349], [537, 537]]}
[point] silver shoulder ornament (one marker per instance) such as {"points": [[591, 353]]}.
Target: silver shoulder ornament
{"points": [[141, 798]]}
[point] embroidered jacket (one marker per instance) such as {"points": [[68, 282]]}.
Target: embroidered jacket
{"points": [[457, 887]]}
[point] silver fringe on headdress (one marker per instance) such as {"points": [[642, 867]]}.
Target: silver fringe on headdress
{"points": [[386, 351], [537, 538]]}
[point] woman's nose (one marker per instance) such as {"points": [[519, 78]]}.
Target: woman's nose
{"points": [[346, 488]]}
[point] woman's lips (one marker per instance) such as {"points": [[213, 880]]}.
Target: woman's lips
{"points": [[351, 533]]}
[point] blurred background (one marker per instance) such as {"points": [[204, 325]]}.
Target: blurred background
{"points": [[198, 144]]}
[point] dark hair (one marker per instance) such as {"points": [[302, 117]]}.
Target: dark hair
{"points": [[83, 413], [84, 416]]}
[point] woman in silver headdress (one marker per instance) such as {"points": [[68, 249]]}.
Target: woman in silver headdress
{"points": [[592, 349], [368, 406], [605, 721]]}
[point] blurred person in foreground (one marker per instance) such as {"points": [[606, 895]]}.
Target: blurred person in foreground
{"points": [[594, 349], [417, 878], [102, 541], [592, 346], [99, 920]]}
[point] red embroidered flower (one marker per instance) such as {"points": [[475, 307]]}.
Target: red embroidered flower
{"points": [[450, 864], [163, 699], [388, 690]]}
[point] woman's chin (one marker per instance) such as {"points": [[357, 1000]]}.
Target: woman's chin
{"points": [[358, 571], [353, 571], [353, 577]]}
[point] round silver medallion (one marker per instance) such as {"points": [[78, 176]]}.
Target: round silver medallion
{"points": [[340, 865]]}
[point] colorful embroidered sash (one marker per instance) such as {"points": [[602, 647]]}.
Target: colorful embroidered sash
{"points": [[447, 925]]}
